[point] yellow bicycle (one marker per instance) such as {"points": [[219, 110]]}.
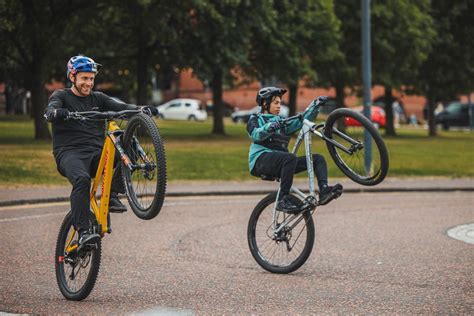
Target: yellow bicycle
{"points": [[143, 163]]}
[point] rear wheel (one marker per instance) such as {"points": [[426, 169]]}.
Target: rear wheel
{"points": [[76, 271], [146, 183], [282, 251], [352, 160]]}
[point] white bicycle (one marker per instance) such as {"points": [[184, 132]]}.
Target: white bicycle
{"points": [[280, 242]]}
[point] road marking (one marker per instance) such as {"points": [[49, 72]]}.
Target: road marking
{"points": [[166, 311], [463, 233], [13, 219], [177, 203]]}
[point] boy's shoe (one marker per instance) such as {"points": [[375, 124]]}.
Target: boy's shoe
{"points": [[328, 193], [87, 239], [115, 206], [286, 205]]}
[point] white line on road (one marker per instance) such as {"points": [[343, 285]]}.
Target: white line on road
{"points": [[463, 233], [225, 201], [12, 219]]}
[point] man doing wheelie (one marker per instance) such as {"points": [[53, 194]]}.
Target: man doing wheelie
{"points": [[77, 145]]}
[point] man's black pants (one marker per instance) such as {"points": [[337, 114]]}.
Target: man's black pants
{"points": [[284, 165], [79, 167]]}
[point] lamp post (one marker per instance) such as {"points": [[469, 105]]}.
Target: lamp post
{"points": [[366, 77]]}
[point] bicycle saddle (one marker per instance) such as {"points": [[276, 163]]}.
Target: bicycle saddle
{"points": [[269, 178]]}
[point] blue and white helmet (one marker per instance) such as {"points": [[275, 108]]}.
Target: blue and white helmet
{"points": [[82, 64]]}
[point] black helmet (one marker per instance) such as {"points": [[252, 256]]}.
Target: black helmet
{"points": [[266, 94]]}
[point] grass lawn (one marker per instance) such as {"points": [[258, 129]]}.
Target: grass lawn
{"points": [[193, 153]]}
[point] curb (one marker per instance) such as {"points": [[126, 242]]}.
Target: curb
{"points": [[243, 192]]}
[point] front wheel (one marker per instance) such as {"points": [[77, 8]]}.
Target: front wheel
{"points": [[146, 183], [349, 135], [285, 246], [76, 271]]}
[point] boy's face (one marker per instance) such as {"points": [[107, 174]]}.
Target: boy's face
{"points": [[275, 106]]}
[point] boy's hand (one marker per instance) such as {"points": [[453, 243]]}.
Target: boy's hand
{"points": [[321, 100], [273, 126]]}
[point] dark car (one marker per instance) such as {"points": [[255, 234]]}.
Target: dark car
{"points": [[228, 108], [455, 114], [244, 115]]}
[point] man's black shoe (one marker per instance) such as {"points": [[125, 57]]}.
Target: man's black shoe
{"points": [[87, 240], [115, 206], [286, 205], [329, 193]]}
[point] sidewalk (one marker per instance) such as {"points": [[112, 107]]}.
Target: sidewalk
{"points": [[37, 194]]}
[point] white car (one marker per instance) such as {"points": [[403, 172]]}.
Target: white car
{"points": [[182, 109]]}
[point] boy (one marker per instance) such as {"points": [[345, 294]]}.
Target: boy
{"points": [[268, 154]]}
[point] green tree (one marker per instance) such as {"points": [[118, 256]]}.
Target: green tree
{"points": [[296, 42], [137, 36], [35, 32], [215, 44], [402, 35], [449, 70]]}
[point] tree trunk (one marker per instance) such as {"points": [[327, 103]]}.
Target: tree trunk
{"points": [[388, 100], [293, 94], [340, 95], [143, 56], [340, 99], [430, 115], [216, 85], [35, 84]]}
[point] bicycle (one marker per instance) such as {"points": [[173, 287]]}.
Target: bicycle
{"points": [[143, 163], [280, 242]]}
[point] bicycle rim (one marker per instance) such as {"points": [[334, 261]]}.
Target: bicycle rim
{"points": [[145, 185], [282, 252], [356, 165], [76, 271]]}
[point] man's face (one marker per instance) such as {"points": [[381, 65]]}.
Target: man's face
{"points": [[83, 83]]}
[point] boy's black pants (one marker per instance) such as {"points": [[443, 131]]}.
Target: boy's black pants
{"points": [[284, 165]]}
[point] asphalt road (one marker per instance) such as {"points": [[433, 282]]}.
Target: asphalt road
{"points": [[374, 253]]}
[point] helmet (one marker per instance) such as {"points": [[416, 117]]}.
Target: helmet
{"points": [[266, 94], [82, 64]]}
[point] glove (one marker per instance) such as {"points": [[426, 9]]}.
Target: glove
{"points": [[273, 126], [150, 110], [60, 114], [321, 100]]}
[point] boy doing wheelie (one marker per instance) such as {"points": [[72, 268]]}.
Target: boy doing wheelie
{"points": [[268, 153]]}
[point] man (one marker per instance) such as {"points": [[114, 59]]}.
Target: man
{"points": [[77, 145]]}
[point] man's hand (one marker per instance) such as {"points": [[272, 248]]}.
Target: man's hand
{"points": [[57, 114], [150, 110]]}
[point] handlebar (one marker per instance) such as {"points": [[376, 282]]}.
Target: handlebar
{"points": [[321, 100], [96, 115]]}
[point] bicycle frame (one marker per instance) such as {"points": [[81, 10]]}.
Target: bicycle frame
{"points": [[305, 135], [105, 173]]}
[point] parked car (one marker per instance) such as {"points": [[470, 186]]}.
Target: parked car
{"points": [[228, 108], [377, 116], [399, 113], [455, 114], [182, 109], [243, 116]]}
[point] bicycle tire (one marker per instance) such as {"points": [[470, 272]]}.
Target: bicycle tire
{"points": [[91, 258], [142, 183], [262, 217], [354, 165]]}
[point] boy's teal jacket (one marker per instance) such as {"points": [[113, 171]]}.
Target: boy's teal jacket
{"points": [[258, 128]]}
